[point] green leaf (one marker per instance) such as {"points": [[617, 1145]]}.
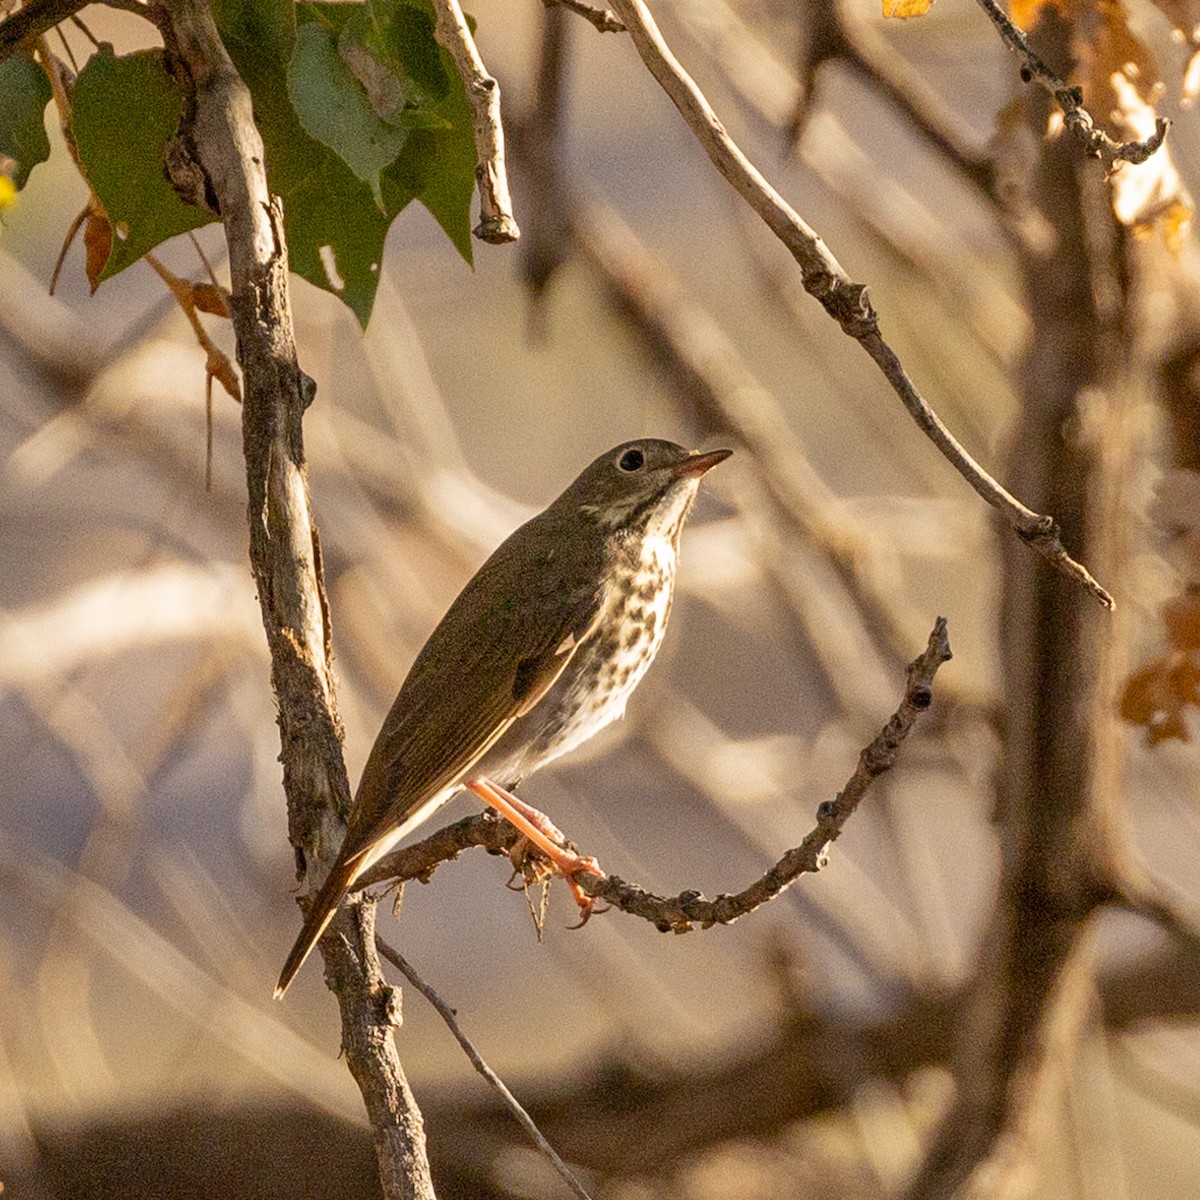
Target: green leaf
{"points": [[330, 213], [335, 109], [24, 94], [439, 165], [396, 38], [124, 110], [267, 26]]}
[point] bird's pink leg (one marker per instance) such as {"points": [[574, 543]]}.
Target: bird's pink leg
{"points": [[543, 833]]}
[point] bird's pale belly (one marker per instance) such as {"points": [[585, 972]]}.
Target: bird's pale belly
{"points": [[592, 691]]}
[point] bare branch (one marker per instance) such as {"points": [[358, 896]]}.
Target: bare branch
{"points": [[285, 554], [1077, 119], [1034, 529], [511, 1102], [679, 914], [604, 19], [826, 280], [682, 913], [496, 221]]}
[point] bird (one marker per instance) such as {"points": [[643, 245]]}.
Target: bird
{"points": [[539, 652]]}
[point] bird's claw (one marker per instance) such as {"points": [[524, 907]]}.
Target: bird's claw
{"points": [[587, 904]]}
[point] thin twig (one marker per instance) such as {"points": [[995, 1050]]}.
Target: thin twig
{"points": [[680, 914], [1077, 119], [87, 33], [496, 221], [514, 1105], [62, 37], [39, 16], [72, 232], [604, 19], [208, 267], [826, 280], [1035, 529], [683, 913]]}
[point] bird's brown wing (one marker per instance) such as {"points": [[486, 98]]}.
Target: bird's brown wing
{"points": [[493, 656], [491, 659]]}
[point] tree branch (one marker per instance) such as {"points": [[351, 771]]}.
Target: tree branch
{"points": [[286, 558], [510, 1101], [682, 913], [33, 20], [496, 221], [602, 18], [826, 280], [1096, 143]]}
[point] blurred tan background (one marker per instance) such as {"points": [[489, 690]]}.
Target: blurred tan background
{"points": [[145, 878]]}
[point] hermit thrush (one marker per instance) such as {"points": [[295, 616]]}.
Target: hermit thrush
{"points": [[539, 652]]}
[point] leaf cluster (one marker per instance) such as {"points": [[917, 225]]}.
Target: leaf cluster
{"points": [[360, 110]]}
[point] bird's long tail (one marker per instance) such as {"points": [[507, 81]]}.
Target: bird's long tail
{"points": [[320, 913]]}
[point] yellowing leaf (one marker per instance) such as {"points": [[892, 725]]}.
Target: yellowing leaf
{"points": [[903, 9], [1025, 13], [1150, 196], [1157, 696]]}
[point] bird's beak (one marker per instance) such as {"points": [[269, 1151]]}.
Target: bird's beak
{"points": [[698, 463]]}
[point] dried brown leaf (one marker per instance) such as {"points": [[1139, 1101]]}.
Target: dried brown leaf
{"points": [[210, 298], [221, 369], [97, 241]]}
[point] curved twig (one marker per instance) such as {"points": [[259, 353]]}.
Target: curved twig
{"points": [[827, 281], [689, 909], [1077, 119]]}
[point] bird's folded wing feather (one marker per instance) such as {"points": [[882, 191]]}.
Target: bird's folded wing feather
{"points": [[494, 655]]}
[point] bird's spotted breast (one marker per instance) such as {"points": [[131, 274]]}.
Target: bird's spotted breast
{"points": [[594, 689]]}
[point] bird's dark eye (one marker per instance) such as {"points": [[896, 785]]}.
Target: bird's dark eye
{"points": [[632, 460]]}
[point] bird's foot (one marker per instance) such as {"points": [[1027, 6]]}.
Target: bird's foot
{"points": [[542, 833], [587, 904]]}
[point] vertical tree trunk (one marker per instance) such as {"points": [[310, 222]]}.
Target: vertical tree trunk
{"points": [[286, 559], [1059, 778]]}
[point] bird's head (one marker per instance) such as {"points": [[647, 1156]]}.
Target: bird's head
{"points": [[640, 485]]}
